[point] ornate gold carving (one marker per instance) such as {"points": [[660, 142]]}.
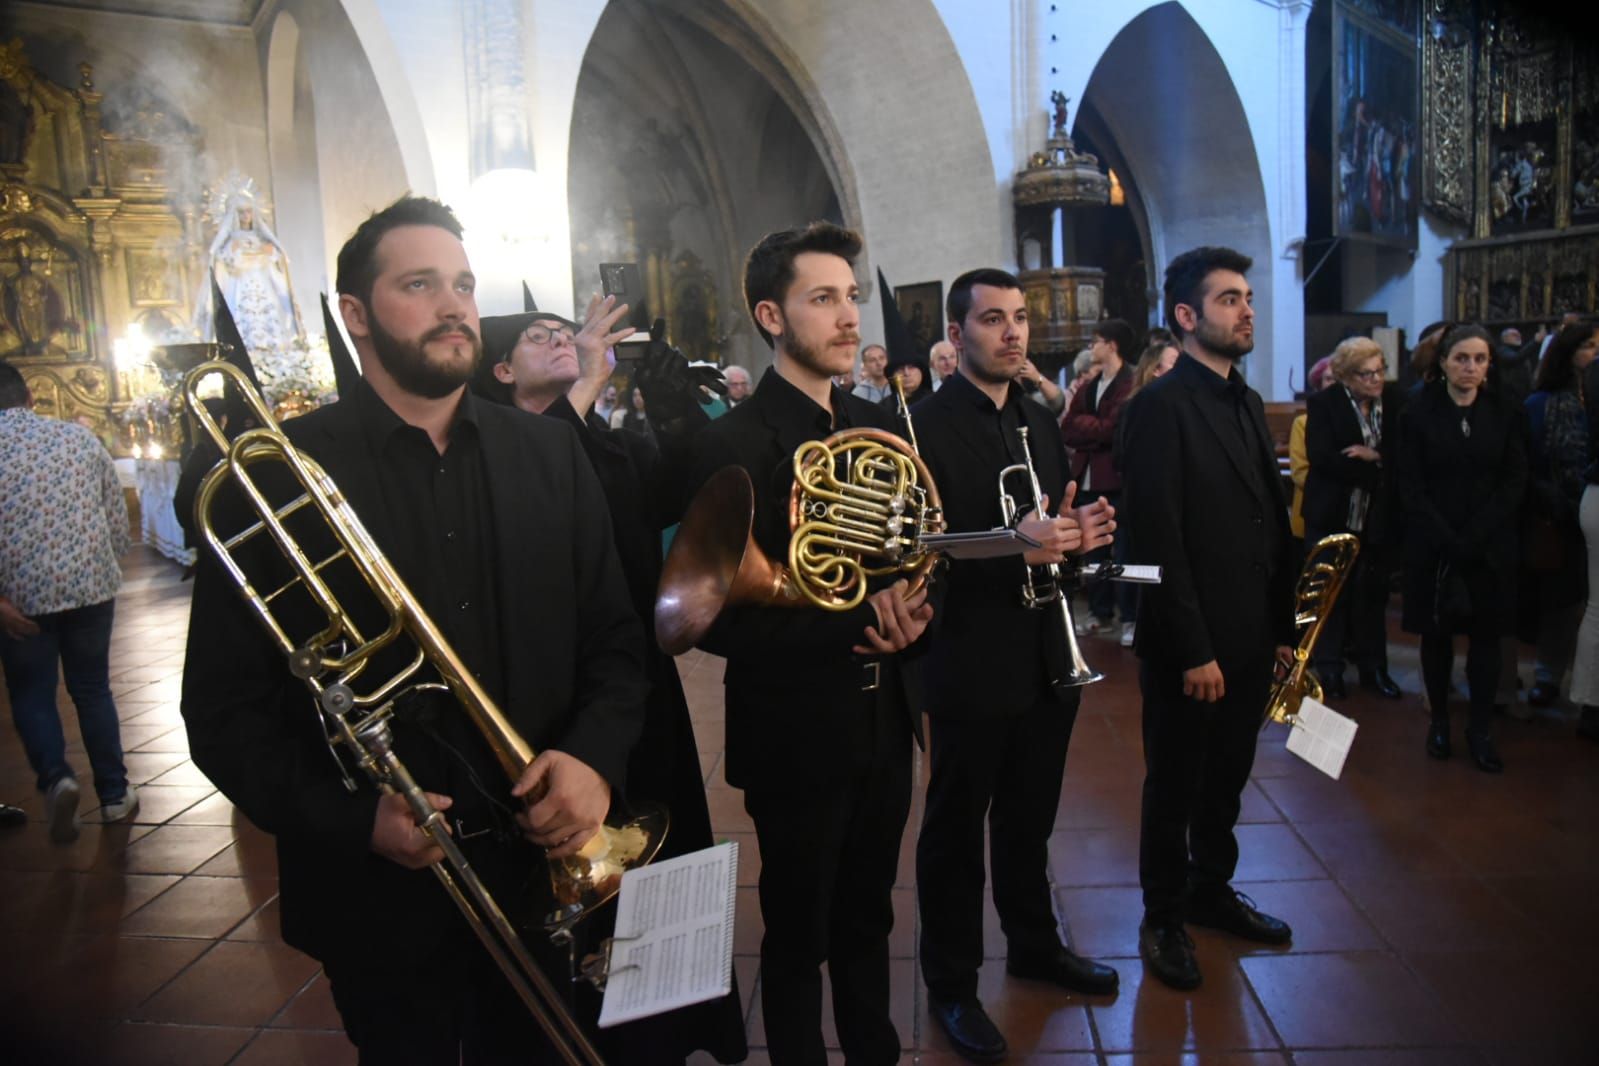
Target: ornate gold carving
{"points": [[1446, 127]]}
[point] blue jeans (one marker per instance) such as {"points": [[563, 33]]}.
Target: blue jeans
{"points": [[80, 640]]}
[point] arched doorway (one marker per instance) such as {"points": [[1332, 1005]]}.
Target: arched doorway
{"points": [[1161, 101], [691, 139]]}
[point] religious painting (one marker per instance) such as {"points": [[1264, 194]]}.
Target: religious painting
{"points": [[921, 307], [1521, 177], [1375, 167], [1585, 168], [153, 278]]}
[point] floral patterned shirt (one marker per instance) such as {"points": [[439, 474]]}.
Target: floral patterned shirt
{"points": [[63, 522]]}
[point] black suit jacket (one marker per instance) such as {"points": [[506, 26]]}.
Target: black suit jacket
{"points": [[987, 654], [1194, 508], [792, 679], [1331, 425], [572, 655]]}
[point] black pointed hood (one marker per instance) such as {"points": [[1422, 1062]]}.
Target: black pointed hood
{"points": [[499, 333], [345, 373], [233, 351], [528, 303]]}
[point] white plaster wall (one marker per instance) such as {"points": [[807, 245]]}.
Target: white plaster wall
{"points": [[1261, 45], [1409, 289]]}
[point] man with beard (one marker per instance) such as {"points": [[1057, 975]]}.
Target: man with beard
{"points": [[819, 721], [1000, 706], [548, 365], [497, 524], [1205, 503]]}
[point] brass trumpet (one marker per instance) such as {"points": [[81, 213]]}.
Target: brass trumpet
{"points": [[1321, 579], [1045, 585], [359, 716]]}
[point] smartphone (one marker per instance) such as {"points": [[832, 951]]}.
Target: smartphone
{"points": [[625, 282]]}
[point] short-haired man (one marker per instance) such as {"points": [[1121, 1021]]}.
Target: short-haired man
{"points": [[999, 708], [819, 722], [943, 359], [873, 379], [1205, 503], [548, 365], [738, 385], [497, 524], [1089, 429], [63, 528]]}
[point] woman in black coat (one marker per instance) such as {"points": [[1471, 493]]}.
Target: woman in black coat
{"points": [[1462, 469], [1351, 444]]}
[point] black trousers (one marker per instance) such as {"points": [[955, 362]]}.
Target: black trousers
{"points": [[1007, 770], [1197, 758], [1101, 595], [1360, 617], [453, 1006], [1482, 675], [829, 855]]}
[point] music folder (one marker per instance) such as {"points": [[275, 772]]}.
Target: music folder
{"points": [[674, 935]]}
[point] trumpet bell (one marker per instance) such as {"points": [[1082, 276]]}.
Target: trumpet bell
{"points": [[715, 563]]}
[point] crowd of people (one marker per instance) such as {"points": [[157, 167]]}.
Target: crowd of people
{"points": [[522, 499]]}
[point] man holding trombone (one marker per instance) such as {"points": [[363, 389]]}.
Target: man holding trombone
{"points": [[1002, 674], [494, 520]]}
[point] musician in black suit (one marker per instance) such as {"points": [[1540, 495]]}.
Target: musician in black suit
{"points": [[1205, 504], [548, 365], [496, 522], [819, 717], [1351, 441], [1000, 703]]}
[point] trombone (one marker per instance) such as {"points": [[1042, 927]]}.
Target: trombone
{"points": [[1322, 578], [360, 718], [1045, 584]]}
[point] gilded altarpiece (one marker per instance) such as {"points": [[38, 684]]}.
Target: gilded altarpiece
{"points": [[91, 244], [1511, 148]]}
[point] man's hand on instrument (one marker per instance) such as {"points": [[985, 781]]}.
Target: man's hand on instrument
{"points": [[900, 619], [566, 802], [1098, 522], [14, 623], [397, 837], [1284, 659], [1204, 682], [1055, 536]]}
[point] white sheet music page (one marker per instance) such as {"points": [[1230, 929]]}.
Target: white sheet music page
{"points": [[674, 935], [1322, 737]]}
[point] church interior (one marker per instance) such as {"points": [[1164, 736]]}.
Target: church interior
{"points": [[1388, 165]]}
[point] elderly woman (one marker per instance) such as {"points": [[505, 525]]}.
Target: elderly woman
{"points": [[1350, 439], [1462, 469]]}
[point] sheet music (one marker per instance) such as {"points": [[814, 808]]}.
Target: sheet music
{"points": [[1322, 737], [674, 935], [1137, 574]]}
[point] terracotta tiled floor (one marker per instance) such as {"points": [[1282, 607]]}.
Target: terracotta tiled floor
{"points": [[1441, 916]]}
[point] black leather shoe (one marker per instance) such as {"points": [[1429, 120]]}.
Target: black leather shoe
{"points": [[1067, 969], [1169, 954], [1438, 739], [970, 1029], [1379, 682], [11, 817], [1543, 694], [1485, 754], [1235, 913], [1332, 687]]}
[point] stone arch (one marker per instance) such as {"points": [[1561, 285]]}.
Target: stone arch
{"points": [[1166, 99], [292, 151]]}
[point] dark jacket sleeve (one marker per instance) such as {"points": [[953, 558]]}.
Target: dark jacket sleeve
{"points": [[1153, 461], [254, 730], [609, 690], [1324, 447]]}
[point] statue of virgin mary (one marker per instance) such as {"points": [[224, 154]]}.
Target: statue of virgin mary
{"points": [[252, 272]]}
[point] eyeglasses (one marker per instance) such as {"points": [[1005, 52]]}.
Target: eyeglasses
{"points": [[1371, 375], [542, 335]]}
